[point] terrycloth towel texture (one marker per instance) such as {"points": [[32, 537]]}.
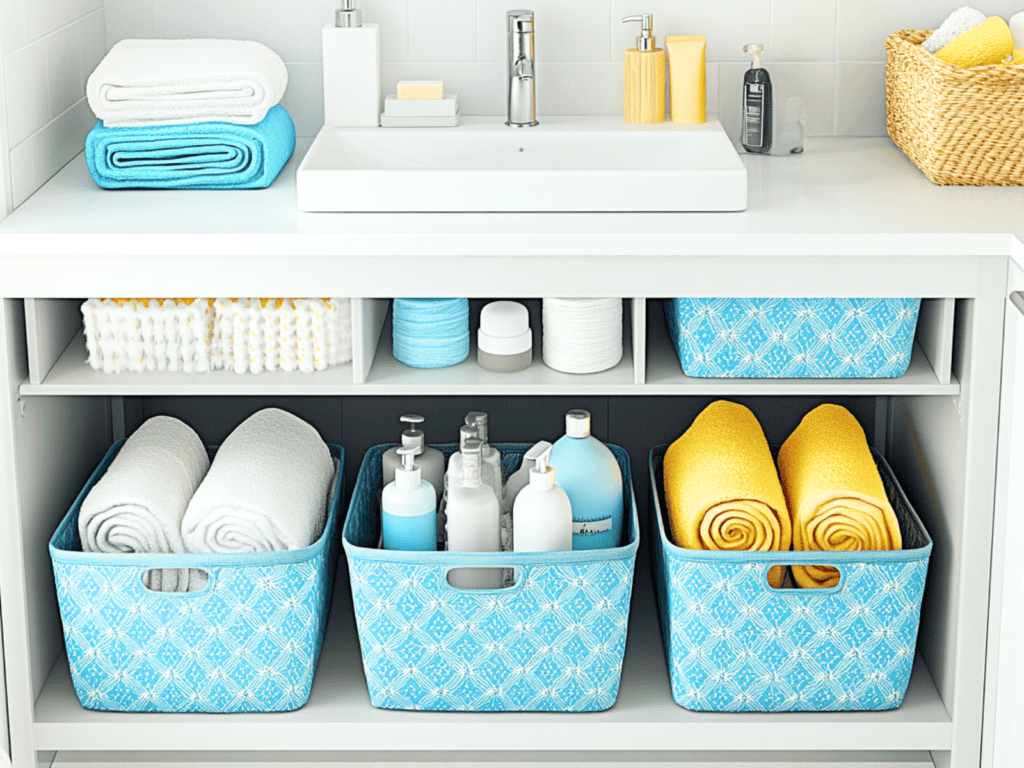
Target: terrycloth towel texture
{"points": [[722, 489], [138, 505], [194, 156], [987, 44], [266, 490], [834, 492], [257, 335], [148, 334], [173, 82], [959, 21]]}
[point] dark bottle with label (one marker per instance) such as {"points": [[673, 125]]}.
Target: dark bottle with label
{"points": [[757, 106]]}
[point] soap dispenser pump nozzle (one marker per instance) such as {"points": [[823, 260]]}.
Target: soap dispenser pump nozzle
{"points": [[646, 40], [407, 476], [348, 15], [755, 49], [542, 476]]}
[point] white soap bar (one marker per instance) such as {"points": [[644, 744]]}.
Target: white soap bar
{"points": [[446, 107], [420, 89]]}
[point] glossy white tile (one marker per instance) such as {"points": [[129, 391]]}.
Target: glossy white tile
{"points": [[60, 140], [803, 30], [23, 172], [92, 36], [442, 30], [64, 64], [860, 99], [76, 9], [42, 17], [12, 25], [304, 98], [580, 89], [567, 30], [28, 91], [126, 19], [393, 17]]}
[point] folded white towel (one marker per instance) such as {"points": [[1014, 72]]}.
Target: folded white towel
{"points": [[266, 491], [138, 505], [961, 20], [173, 82]]}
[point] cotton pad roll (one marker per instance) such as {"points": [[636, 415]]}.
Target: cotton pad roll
{"points": [[582, 335], [960, 21]]}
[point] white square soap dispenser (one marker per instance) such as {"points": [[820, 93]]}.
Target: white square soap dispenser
{"points": [[351, 69]]}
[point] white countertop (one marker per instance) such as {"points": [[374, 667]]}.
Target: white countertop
{"points": [[862, 189]]}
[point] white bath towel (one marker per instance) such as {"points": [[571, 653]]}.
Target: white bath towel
{"points": [[138, 504], [266, 489], [173, 82]]}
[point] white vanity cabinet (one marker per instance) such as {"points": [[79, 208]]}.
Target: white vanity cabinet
{"points": [[938, 426]]}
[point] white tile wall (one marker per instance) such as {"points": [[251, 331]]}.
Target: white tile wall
{"points": [[49, 49], [830, 52]]}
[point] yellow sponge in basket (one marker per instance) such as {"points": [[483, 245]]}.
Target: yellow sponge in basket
{"points": [[986, 44]]}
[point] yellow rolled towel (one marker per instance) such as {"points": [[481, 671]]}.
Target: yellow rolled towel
{"points": [[722, 489], [988, 43], [834, 492]]}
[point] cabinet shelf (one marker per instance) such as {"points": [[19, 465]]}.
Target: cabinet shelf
{"points": [[339, 716]]}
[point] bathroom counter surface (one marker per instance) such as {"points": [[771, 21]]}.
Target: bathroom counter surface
{"points": [[843, 197]]}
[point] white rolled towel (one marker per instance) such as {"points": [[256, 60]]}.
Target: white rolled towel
{"points": [[266, 490], [173, 82], [138, 505], [961, 20]]}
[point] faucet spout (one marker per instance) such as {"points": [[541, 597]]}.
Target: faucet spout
{"points": [[522, 88]]}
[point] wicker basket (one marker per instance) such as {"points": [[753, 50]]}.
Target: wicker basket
{"points": [[959, 126]]}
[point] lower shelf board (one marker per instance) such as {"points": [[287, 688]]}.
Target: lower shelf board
{"points": [[339, 717]]}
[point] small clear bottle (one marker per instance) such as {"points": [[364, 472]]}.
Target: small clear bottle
{"points": [[408, 509], [473, 522]]}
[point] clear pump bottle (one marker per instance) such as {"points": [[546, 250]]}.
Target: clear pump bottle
{"points": [[409, 511], [430, 460]]}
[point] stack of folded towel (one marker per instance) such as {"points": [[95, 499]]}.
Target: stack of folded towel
{"points": [[968, 39], [188, 114], [723, 492], [267, 490], [199, 335]]}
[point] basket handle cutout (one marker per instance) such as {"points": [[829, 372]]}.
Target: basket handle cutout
{"points": [[788, 581], [175, 582], [485, 580]]}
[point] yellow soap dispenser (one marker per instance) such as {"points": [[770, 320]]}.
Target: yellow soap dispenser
{"points": [[645, 76]]}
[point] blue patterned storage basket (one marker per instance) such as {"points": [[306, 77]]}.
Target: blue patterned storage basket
{"points": [[793, 338], [249, 642], [553, 642], [735, 644]]}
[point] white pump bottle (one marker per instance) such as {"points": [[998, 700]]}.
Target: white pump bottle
{"points": [[473, 522], [542, 513], [409, 511]]}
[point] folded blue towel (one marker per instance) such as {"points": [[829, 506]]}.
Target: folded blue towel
{"points": [[191, 156]]}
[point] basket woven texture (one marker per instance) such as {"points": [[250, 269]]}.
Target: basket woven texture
{"points": [[961, 127]]}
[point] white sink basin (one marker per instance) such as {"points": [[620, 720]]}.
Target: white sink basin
{"points": [[563, 164]]}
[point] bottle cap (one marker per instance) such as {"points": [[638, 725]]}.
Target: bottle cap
{"points": [[478, 419], [347, 14], [466, 433], [577, 423], [471, 463], [646, 40], [407, 476], [542, 476], [413, 436], [504, 329], [756, 49]]}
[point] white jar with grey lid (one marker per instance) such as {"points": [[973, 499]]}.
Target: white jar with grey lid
{"points": [[504, 340]]}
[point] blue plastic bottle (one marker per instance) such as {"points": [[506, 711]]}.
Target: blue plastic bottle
{"points": [[589, 474], [409, 514]]}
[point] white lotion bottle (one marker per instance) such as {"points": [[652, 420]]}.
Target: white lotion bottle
{"points": [[490, 455], [351, 52], [521, 477], [542, 513], [409, 509], [429, 460], [473, 523]]}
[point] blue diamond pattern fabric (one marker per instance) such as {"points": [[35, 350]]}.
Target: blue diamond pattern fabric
{"points": [[793, 338], [552, 642], [735, 644], [249, 642]]}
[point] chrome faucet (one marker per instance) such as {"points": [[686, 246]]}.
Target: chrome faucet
{"points": [[522, 88]]}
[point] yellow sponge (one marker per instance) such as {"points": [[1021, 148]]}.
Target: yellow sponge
{"points": [[986, 44], [421, 89]]}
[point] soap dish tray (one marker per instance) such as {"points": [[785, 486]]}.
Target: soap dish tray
{"points": [[448, 121]]}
